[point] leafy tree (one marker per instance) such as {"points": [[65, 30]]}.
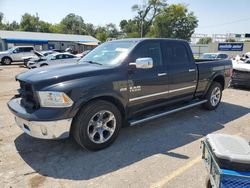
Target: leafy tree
{"points": [[112, 31], [101, 33], [175, 21], [146, 13], [14, 26], [90, 29], [1, 20], [73, 24], [205, 40], [29, 23], [130, 27]]}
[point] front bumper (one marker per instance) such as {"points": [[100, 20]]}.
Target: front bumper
{"points": [[40, 129]]}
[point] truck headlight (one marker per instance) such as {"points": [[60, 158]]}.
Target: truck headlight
{"points": [[54, 99]]}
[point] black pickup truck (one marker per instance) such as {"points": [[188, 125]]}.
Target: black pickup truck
{"points": [[119, 83]]}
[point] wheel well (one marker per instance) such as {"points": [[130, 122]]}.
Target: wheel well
{"points": [[7, 57], [112, 100], [220, 79]]}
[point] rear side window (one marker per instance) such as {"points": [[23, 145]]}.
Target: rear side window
{"points": [[67, 56], [177, 54], [59, 56], [150, 49], [26, 49]]}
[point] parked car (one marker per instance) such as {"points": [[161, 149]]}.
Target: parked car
{"points": [[241, 73], [53, 59], [81, 55], [38, 56], [119, 83], [16, 54], [214, 56]]}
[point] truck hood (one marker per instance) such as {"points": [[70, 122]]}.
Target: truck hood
{"points": [[59, 73]]}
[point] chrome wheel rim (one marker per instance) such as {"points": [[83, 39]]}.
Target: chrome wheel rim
{"points": [[215, 96], [101, 127], [6, 61]]}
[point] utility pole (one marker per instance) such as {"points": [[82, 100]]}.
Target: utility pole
{"points": [[141, 28]]}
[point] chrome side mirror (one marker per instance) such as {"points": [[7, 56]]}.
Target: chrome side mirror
{"points": [[143, 63]]}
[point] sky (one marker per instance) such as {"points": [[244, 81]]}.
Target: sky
{"points": [[215, 16]]}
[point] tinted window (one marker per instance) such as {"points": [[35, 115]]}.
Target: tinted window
{"points": [[67, 56], [177, 54], [150, 49], [26, 49], [59, 56], [222, 56]]}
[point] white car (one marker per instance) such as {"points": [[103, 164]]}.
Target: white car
{"points": [[16, 54], [53, 59], [214, 56]]}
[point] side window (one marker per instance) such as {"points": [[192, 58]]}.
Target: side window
{"points": [[222, 56], [59, 56], [27, 49], [68, 56], [177, 54], [151, 49], [20, 50]]}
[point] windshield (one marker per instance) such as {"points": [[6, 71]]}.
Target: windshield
{"points": [[109, 53], [208, 56], [12, 49]]}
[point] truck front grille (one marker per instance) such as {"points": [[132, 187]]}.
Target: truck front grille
{"points": [[28, 100]]}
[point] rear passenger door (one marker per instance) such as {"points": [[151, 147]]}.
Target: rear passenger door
{"points": [[181, 70]]}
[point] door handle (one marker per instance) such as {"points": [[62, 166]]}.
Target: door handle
{"points": [[162, 74], [191, 70]]}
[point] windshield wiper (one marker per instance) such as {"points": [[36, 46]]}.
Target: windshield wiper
{"points": [[93, 62]]}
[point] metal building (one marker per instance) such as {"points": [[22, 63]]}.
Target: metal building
{"points": [[46, 41]]}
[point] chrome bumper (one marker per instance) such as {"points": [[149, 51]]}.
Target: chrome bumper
{"points": [[45, 129], [36, 128]]}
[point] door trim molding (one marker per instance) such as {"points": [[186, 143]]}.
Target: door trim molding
{"points": [[161, 93]]}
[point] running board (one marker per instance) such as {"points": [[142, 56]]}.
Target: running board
{"points": [[135, 122]]}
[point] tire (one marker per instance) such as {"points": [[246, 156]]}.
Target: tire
{"points": [[213, 96], [42, 65], [97, 125], [6, 61], [208, 183]]}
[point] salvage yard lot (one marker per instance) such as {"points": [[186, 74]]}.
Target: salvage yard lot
{"points": [[161, 153]]}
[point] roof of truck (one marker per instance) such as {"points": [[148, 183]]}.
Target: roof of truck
{"points": [[143, 39]]}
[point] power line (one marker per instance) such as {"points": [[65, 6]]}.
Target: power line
{"points": [[227, 23]]}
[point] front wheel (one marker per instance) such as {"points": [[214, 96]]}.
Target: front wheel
{"points": [[213, 96], [97, 125], [6, 61]]}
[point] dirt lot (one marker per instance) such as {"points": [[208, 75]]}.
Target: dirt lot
{"points": [[161, 153]]}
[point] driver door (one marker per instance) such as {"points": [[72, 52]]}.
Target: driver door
{"points": [[148, 87]]}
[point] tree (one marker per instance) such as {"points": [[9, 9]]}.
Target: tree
{"points": [[1, 20], [205, 40], [175, 22], [73, 24], [29, 23], [146, 13], [112, 31], [14, 26], [101, 33]]}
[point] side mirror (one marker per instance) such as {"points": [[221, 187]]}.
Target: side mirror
{"points": [[143, 63]]}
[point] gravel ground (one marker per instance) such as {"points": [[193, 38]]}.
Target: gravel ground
{"points": [[161, 153]]}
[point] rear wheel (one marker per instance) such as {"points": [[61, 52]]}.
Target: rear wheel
{"points": [[6, 61], [213, 96], [97, 125]]}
